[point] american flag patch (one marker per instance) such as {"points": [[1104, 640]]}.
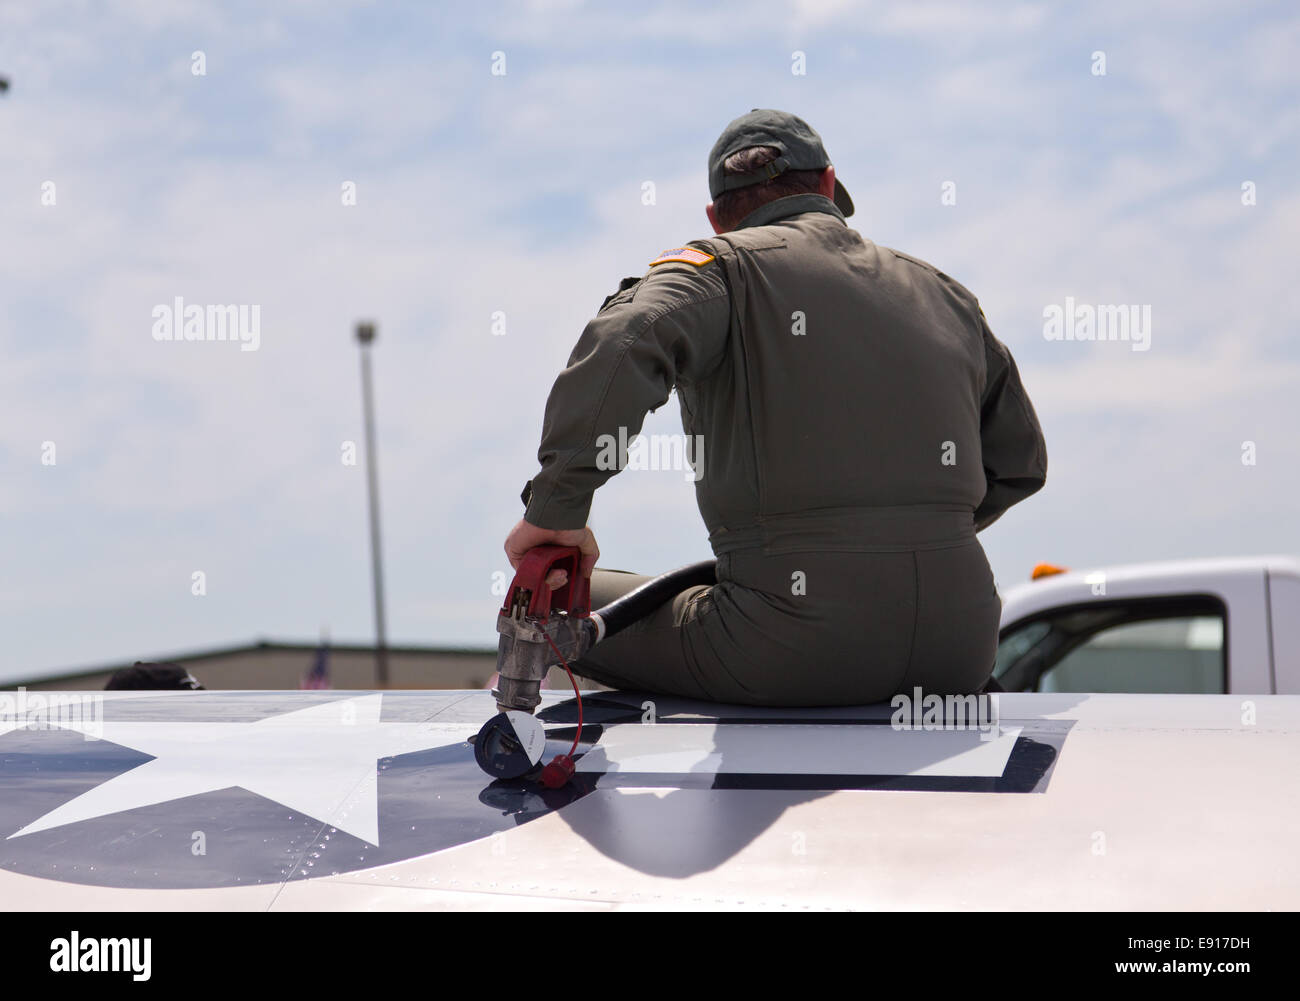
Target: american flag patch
{"points": [[686, 255]]}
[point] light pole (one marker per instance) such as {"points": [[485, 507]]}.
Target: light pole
{"points": [[365, 337]]}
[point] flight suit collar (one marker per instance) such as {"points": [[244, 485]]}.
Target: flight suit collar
{"points": [[788, 206]]}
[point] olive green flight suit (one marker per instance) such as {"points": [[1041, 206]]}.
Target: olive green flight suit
{"points": [[860, 422]]}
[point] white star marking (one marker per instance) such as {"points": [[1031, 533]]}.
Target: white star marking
{"points": [[319, 761]]}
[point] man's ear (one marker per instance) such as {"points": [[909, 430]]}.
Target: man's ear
{"points": [[713, 218], [826, 186]]}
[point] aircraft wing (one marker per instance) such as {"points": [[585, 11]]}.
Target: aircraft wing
{"points": [[372, 800]]}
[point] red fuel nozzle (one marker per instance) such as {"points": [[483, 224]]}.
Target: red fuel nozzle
{"points": [[529, 595]]}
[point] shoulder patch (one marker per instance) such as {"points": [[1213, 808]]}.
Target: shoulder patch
{"points": [[683, 255]]}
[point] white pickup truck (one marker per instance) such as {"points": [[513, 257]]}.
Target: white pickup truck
{"points": [[1192, 626]]}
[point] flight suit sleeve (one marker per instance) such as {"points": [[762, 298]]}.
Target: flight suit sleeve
{"points": [[1014, 452], [670, 326]]}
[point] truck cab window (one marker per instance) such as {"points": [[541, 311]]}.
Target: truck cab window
{"points": [[1167, 645], [1164, 655]]}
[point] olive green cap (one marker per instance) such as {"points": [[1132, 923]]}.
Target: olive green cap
{"points": [[800, 145]]}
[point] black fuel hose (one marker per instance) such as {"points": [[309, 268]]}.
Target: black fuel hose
{"points": [[640, 602]]}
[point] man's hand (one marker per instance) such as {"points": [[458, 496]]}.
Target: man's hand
{"points": [[524, 537]]}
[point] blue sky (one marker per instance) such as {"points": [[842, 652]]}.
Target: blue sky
{"points": [[522, 194]]}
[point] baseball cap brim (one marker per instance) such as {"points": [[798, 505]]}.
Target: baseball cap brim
{"points": [[842, 200]]}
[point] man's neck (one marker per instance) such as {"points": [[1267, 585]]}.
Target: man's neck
{"points": [[781, 208]]}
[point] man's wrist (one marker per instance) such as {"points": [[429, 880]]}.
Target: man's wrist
{"points": [[545, 513], [543, 509]]}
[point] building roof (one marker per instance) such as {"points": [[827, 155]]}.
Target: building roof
{"points": [[258, 646]]}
